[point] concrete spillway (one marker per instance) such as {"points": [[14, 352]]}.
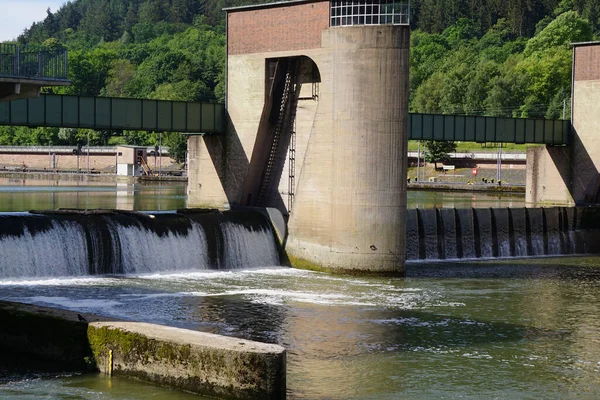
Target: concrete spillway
{"points": [[438, 234], [79, 243]]}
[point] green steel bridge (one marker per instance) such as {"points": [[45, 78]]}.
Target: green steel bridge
{"points": [[209, 118]]}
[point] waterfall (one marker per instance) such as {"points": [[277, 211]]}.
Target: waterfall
{"points": [[474, 233], [115, 242]]}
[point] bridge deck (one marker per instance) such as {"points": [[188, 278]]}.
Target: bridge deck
{"points": [[114, 114], [209, 118], [488, 129]]}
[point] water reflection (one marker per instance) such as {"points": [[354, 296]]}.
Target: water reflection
{"points": [[459, 199], [35, 194]]}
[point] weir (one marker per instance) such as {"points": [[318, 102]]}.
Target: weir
{"points": [[474, 233], [71, 243], [78, 243]]}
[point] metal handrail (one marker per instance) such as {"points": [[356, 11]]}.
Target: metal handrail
{"points": [[31, 63]]}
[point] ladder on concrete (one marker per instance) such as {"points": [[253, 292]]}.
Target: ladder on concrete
{"points": [[288, 93]]}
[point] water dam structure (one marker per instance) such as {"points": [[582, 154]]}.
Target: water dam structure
{"points": [[100, 242], [76, 243], [476, 233]]}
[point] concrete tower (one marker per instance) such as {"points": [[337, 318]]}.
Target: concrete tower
{"points": [[317, 101], [570, 175]]}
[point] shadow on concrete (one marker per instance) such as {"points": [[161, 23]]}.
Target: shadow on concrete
{"points": [[577, 170], [233, 167]]}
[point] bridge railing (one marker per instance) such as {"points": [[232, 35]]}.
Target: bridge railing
{"points": [[31, 63]]}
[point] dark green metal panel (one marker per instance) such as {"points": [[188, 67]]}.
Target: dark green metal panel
{"points": [[18, 111], [53, 112], [103, 112], [179, 116], [87, 112], [194, 111], [490, 129], [459, 127], [539, 131], [165, 116], [449, 133], [520, 131], [70, 111], [149, 115], [487, 129], [4, 112], [470, 129], [114, 113], [36, 109], [480, 129], [438, 127], [220, 124], [208, 116]]}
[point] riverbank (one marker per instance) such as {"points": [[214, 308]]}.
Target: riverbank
{"points": [[462, 187], [89, 177]]}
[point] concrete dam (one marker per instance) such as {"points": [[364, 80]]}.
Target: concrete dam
{"points": [[474, 233], [116, 242]]}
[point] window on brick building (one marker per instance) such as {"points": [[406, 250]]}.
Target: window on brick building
{"points": [[369, 12]]}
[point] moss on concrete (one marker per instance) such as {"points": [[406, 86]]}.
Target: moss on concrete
{"points": [[216, 372], [302, 263]]}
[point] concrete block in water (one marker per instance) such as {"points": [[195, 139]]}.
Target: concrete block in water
{"points": [[197, 362]]}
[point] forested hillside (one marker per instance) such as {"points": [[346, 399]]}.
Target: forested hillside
{"points": [[483, 57]]}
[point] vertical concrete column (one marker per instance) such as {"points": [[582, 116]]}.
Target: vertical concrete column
{"points": [[571, 175], [349, 214]]}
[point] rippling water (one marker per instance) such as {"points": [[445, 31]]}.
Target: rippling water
{"points": [[518, 329]]}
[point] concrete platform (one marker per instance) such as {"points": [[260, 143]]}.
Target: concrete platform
{"points": [[191, 361]]}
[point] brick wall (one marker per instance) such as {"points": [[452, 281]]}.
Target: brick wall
{"points": [[291, 27], [587, 62]]}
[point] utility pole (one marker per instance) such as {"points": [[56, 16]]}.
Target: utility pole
{"points": [[160, 153], [419, 161], [498, 176], [88, 151]]}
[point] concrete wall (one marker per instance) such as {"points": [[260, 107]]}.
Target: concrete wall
{"points": [[571, 175], [195, 362]]}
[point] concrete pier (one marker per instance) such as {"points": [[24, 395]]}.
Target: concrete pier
{"points": [[195, 362], [337, 170]]}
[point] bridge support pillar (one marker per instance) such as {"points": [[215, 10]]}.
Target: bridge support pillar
{"points": [[570, 175], [349, 213]]}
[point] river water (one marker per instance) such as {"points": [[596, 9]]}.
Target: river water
{"points": [[50, 194], [496, 329]]}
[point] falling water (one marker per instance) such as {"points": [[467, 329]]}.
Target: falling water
{"points": [[80, 243], [501, 232]]}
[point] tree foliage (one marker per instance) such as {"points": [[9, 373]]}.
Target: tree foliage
{"points": [[438, 151], [475, 57]]}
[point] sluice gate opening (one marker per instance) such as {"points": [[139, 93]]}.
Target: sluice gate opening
{"points": [[484, 233]]}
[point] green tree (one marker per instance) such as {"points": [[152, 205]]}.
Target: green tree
{"points": [[438, 151], [177, 144]]}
